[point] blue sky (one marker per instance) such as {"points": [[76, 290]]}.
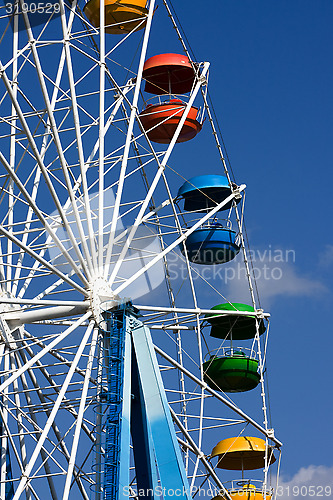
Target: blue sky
{"points": [[271, 83]]}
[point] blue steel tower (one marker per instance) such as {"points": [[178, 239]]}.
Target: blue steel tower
{"points": [[137, 408]]}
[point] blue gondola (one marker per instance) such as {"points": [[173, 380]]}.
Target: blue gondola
{"points": [[212, 245], [205, 192]]}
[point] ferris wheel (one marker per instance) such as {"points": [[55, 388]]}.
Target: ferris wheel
{"points": [[116, 379]]}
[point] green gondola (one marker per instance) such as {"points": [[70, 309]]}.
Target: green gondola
{"points": [[236, 373], [234, 327]]}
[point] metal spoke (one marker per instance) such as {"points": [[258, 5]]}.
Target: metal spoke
{"points": [[53, 414]]}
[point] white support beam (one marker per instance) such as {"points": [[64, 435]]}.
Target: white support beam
{"points": [[130, 131], [178, 240], [62, 159], [200, 455], [50, 420], [160, 170], [41, 165], [42, 261], [38, 302], [79, 419], [18, 318], [213, 312], [44, 351], [218, 396]]}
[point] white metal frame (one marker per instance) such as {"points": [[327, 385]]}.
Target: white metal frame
{"points": [[51, 349]]}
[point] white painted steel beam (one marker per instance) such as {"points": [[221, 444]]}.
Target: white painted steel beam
{"points": [[200, 455], [79, 419], [42, 261], [62, 159], [38, 213], [161, 167], [17, 318], [178, 241], [129, 133], [48, 348], [218, 396], [211, 312], [50, 420], [38, 302]]}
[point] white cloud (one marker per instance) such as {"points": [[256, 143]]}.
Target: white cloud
{"points": [[277, 275], [308, 483], [326, 257], [274, 278]]}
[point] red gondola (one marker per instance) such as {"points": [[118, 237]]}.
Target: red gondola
{"points": [[168, 74], [161, 120]]}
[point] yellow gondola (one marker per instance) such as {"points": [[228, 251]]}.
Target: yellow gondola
{"points": [[246, 492], [121, 16], [242, 453]]}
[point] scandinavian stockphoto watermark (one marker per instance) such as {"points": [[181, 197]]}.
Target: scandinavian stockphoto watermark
{"points": [[160, 491], [266, 264], [288, 491]]}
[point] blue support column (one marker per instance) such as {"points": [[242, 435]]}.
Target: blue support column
{"points": [[169, 462], [143, 446], [137, 407], [117, 426], [124, 466]]}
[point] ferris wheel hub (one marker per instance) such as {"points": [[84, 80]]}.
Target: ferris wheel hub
{"points": [[101, 293]]}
